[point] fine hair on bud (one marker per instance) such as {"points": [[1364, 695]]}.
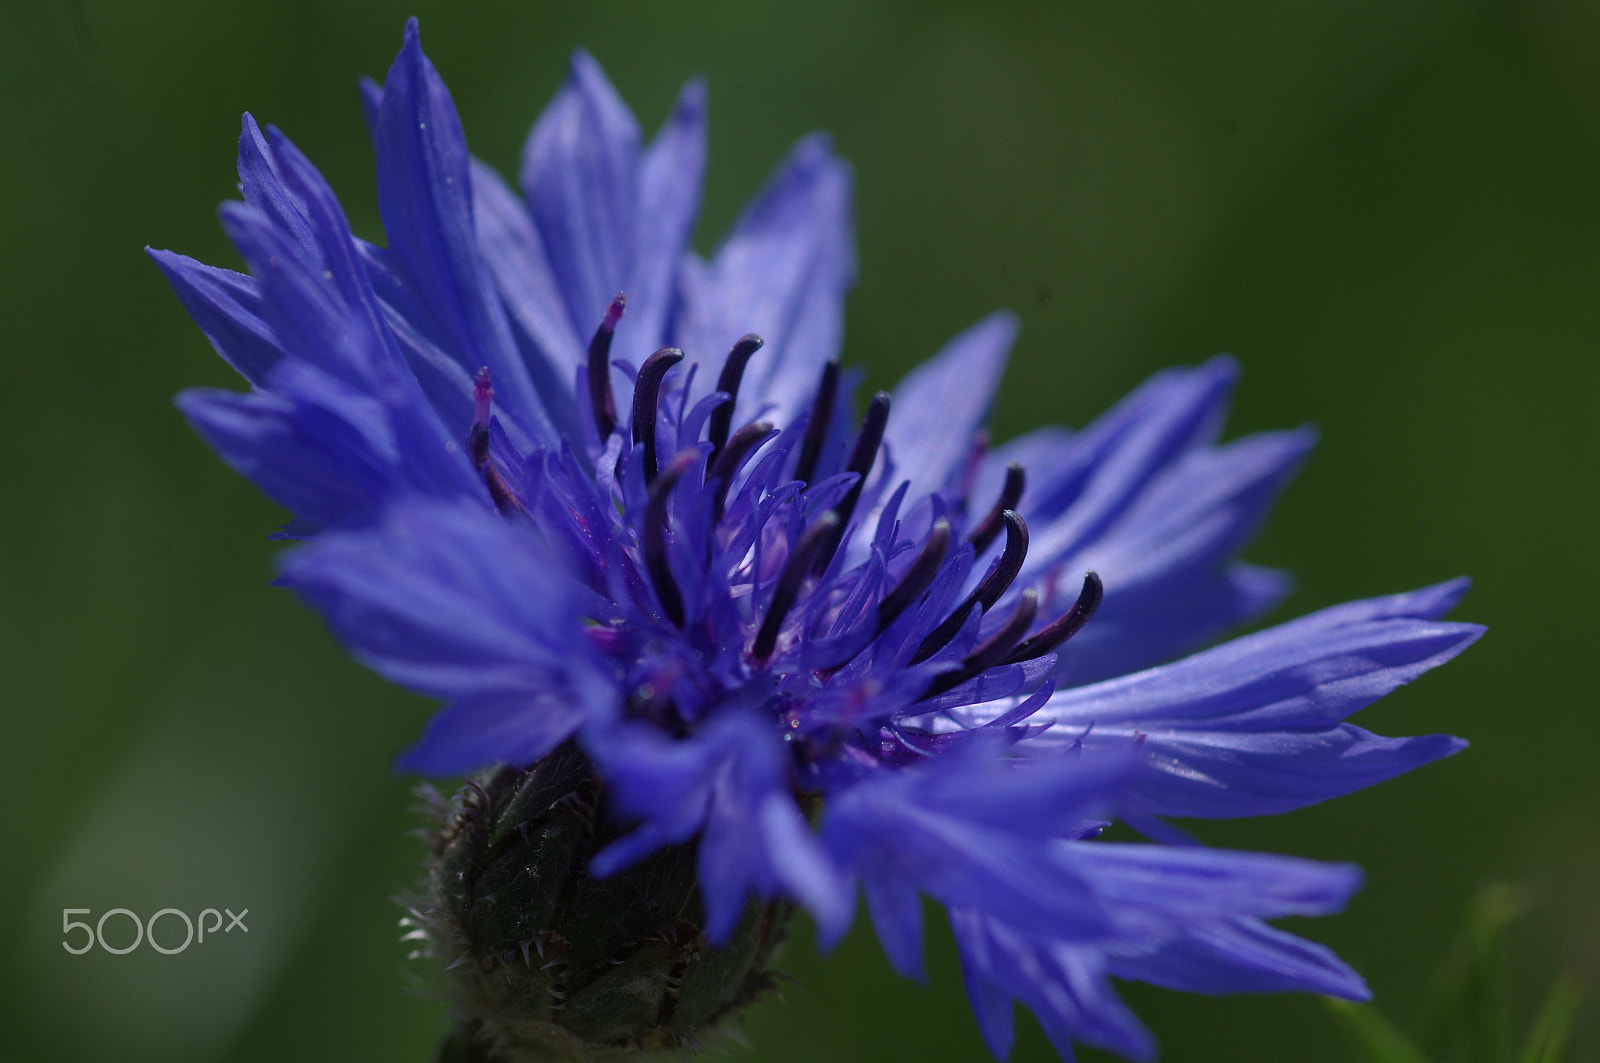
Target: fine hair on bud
{"points": [[545, 963]]}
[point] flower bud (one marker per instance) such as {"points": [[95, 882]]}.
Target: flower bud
{"points": [[548, 963]]}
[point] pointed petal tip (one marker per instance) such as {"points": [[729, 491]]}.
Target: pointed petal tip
{"points": [[1009, 316], [722, 919], [1222, 365], [430, 757], [585, 73], [411, 56], [371, 94], [1142, 1051], [1346, 880], [408, 762], [1001, 327], [833, 913], [1269, 586], [1448, 594], [608, 861], [1305, 437], [1342, 982], [831, 930], [278, 140], [691, 98], [813, 156], [189, 400], [818, 142], [238, 220]]}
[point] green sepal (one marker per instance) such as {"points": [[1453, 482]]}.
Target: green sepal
{"points": [[545, 962]]}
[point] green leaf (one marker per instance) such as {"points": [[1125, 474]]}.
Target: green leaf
{"points": [[1468, 1002], [1547, 1040], [1376, 1037]]}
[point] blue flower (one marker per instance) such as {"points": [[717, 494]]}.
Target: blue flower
{"points": [[843, 654]]}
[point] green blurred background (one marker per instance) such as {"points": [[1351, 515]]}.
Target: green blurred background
{"points": [[1386, 209]]}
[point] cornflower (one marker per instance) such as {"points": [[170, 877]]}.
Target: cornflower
{"points": [[719, 646]]}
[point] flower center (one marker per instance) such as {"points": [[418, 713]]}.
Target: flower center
{"points": [[759, 643]]}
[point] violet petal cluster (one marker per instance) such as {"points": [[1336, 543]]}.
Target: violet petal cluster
{"points": [[848, 652]]}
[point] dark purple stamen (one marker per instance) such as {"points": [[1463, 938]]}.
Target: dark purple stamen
{"points": [[728, 382], [1000, 576], [862, 455], [600, 398], [919, 577], [986, 593], [1064, 626], [992, 650], [728, 460], [505, 500], [654, 539], [985, 531], [865, 452], [646, 397], [789, 582], [817, 427], [482, 403]]}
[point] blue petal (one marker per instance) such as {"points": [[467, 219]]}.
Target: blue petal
{"points": [[304, 308], [1184, 918], [227, 307], [1193, 607], [352, 415], [1056, 463], [1196, 514], [475, 730], [1252, 727], [262, 185], [371, 94], [429, 352], [456, 602], [328, 461], [425, 199], [670, 175], [1168, 587], [515, 257], [782, 273], [1312, 671], [1115, 459], [1177, 914], [1064, 986], [337, 255], [1156, 887], [940, 405], [896, 910], [966, 829], [1240, 956], [1225, 774], [991, 1005], [1143, 498], [293, 229], [580, 175], [729, 782]]}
